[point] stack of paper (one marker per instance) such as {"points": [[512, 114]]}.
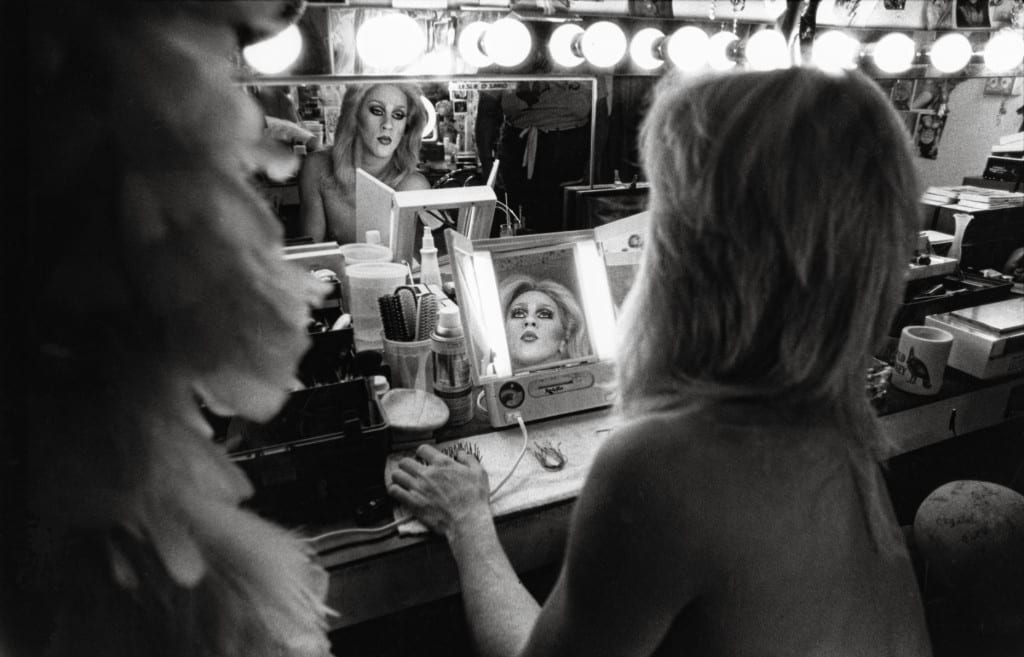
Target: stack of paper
{"points": [[938, 195], [1010, 145], [982, 198]]}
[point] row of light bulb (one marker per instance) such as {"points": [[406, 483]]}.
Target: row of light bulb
{"points": [[392, 41]]}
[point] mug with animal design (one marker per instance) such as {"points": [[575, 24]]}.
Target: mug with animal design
{"points": [[920, 362]]}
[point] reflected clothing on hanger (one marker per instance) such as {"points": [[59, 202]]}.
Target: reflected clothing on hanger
{"points": [[544, 144]]}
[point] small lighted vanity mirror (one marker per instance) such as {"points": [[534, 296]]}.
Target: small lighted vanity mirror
{"points": [[539, 314], [398, 216]]}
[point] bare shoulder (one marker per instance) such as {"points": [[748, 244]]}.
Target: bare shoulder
{"points": [[413, 182], [315, 165]]}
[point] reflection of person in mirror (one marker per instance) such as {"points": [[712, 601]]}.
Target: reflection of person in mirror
{"points": [[379, 132], [543, 322], [738, 507]]}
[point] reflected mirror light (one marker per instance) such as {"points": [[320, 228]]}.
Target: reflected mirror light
{"points": [[894, 53], [390, 41], [469, 45], [276, 53], [835, 51], [563, 45], [950, 53], [643, 48], [720, 48], [1004, 51], [508, 42], [766, 50], [687, 48], [604, 44]]}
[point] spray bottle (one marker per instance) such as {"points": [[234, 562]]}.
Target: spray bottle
{"points": [[430, 273], [452, 381]]}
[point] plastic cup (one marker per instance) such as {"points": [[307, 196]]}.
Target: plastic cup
{"points": [[410, 363], [367, 282]]}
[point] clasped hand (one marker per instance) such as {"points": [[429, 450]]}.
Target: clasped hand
{"points": [[445, 494]]}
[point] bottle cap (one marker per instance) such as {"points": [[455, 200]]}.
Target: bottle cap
{"points": [[428, 241], [373, 237], [448, 322]]}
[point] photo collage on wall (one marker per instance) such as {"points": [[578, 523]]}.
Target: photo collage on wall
{"points": [[920, 103]]}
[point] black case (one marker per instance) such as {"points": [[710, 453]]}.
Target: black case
{"points": [[321, 459]]}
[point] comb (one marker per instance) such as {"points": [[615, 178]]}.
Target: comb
{"points": [[426, 316], [391, 317], [407, 304]]}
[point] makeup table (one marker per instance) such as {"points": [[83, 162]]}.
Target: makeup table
{"points": [[374, 577]]}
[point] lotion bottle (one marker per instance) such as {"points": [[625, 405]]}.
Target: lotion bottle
{"points": [[430, 273]]}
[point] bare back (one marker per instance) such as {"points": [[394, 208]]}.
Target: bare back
{"points": [[732, 531]]}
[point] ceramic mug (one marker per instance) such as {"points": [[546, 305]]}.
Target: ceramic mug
{"points": [[920, 361]]}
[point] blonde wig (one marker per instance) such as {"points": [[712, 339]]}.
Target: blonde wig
{"points": [[164, 298], [783, 207], [405, 157]]}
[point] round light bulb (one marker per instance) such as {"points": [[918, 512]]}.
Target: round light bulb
{"points": [[603, 44], [1004, 51], [508, 42], [835, 51], [430, 129], [950, 52], [276, 53], [767, 50], [390, 41], [687, 48], [719, 47], [561, 45], [894, 53], [641, 48], [469, 45]]}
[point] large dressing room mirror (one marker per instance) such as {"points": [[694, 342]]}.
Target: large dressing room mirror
{"points": [[460, 142]]}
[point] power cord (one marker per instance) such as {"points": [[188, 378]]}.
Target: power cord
{"points": [[393, 525]]}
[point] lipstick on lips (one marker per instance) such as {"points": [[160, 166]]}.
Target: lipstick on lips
{"points": [[528, 336]]}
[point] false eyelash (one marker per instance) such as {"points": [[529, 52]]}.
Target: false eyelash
{"points": [[551, 457]]}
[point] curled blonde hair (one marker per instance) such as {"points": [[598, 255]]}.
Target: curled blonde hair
{"points": [[783, 208]]}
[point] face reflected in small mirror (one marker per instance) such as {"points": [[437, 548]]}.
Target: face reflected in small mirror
{"points": [[542, 314]]}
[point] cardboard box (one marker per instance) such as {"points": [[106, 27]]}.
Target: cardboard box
{"points": [[988, 340]]}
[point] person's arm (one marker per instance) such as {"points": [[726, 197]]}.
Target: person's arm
{"points": [[313, 222], [450, 496], [629, 567], [487, 128]]}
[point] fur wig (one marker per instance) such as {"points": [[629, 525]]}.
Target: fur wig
{"points": [[163, 288]]}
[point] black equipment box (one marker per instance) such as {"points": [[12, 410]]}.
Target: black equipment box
{"points": [[322, 457]]}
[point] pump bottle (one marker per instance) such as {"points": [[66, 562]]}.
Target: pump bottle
{"points": [[430, 273]]}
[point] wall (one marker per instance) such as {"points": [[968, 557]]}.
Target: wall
{"points": [[970, 131]]}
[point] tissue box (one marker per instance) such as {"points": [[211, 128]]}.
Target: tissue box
{"points": [[988, 340]]}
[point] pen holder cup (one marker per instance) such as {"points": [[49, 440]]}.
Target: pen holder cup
{"points": [[411, 364]]}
